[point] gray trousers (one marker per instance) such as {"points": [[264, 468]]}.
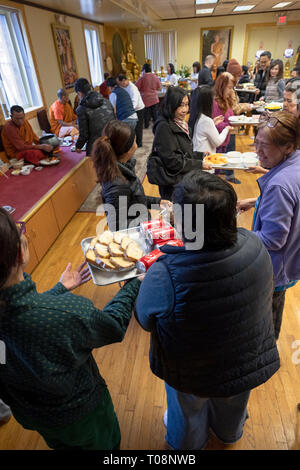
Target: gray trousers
{"points": [[5, 412]]}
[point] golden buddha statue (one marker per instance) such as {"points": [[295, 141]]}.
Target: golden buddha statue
{"points": [[162, 73]]}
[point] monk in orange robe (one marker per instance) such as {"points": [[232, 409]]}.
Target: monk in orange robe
{"points": [[19, 140], [62, 117]]}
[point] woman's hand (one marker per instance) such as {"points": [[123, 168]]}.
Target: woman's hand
{"points": [[206, 166], [245, 204], [218, 120], [72, 279], [164, 203], [256, 170]]}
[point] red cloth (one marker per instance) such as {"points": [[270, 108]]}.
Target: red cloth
{"points": [[104, 90], [148, 86], [23, 192], [31, 156]]}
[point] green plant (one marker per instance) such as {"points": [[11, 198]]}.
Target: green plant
{"points": [[184, 71]]}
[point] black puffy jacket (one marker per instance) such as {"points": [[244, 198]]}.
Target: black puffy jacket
{"points": [[93, 113], [175, 148], [218, 338], [130, 188]]}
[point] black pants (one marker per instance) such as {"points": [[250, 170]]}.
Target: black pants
{"points": [[139, 127], [151, 111], [277, 309]]}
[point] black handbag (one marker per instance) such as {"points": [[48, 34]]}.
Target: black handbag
{"points": [[158, 174]]}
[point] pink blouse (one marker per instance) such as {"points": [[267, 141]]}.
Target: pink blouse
{"points": [[148, 85], [217, 111]]}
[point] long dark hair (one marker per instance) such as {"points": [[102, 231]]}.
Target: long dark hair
{"points": [[280, 73], [107, 150], [172, 101], [201, 102], [172, 69], [10, 243]]}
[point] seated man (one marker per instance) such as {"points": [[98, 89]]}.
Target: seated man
{"points": [[208, 306], [19, 140], [62, 117]]}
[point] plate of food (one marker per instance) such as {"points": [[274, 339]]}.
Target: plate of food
{"points": [[114, 251], [49, 161], [216, 160], [274, 106], [112, 256]]}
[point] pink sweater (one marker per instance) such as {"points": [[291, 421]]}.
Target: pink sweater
{"points": [[217, 111], [148, 86]]}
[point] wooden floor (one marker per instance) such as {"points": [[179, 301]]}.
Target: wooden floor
{"points": [[139, 397]]}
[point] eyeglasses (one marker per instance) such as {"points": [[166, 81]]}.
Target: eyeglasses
{"points": [[272, 121], [21, 227]]}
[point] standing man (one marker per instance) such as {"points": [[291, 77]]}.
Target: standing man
{"points": [[122, 103], [93, 113], [209, 311], [19, 140], [148, 85], [205, 76], [62, 117], [260, 80], [138, 105]]}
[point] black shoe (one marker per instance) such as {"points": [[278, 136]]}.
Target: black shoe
{"points": [[233, 180]]}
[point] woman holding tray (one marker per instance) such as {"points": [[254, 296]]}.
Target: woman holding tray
{"points": [[125, 202], [50, 379]]}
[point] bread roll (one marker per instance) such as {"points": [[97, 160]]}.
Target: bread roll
{"points": [[133, 252], [118, 236], [121, 262], [125, 242], [107, 263], [115, 249], [91, 257], [106, 237], [102, 250]]}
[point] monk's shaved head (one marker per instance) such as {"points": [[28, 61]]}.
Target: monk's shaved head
{"points": [[61, 93]]}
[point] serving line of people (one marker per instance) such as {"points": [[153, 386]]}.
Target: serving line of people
{"points": [[64, 397], [200, 397]]}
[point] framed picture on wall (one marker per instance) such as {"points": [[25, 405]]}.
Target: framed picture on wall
{"points": [[65, 55], [217, 41]]}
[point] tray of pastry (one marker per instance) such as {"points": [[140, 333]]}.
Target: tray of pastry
{"points": [[112, 256]]}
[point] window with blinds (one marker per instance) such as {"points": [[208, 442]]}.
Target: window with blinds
{"points": [[18, 81], [161, 48], [94, 55]]}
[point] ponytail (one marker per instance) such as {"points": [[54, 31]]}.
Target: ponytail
{"points": [[117, 139], [105, 160]]}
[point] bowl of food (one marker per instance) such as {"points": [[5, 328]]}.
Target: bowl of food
{"points": [[18, 164], [50, 139]]}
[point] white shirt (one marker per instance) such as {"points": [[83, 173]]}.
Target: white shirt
{"points": [[173, 79], [194, 85], [206, 137], [135, 96]]}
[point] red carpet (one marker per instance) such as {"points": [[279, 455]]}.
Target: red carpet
{"points": [[23, 192]]}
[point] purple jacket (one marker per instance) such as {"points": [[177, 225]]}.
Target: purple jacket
{"points": [[277, 221]]}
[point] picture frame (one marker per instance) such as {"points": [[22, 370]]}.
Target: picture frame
{"points": [[65, 55], [217, 41]]}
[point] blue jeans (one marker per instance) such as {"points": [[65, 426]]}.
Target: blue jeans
{"points": [[190, 417], [131, 122]]}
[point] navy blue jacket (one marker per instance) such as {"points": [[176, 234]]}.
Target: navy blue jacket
{"points": [[210, 317], [124, 106]]}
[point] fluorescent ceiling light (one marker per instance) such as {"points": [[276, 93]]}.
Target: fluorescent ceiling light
{"points": [[244, 8], [204, 10], [200, 2], [281, 5]]}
